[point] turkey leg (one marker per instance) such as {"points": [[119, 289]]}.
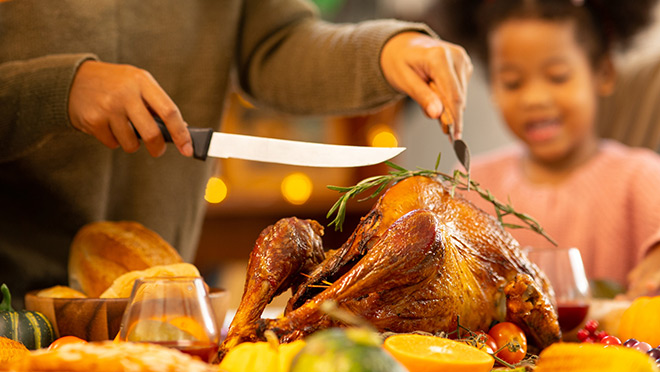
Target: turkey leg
{"points": [[281, 252]]}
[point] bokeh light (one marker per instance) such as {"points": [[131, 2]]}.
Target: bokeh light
{"points": [[216, 190], [382, 136], [296, 188]]}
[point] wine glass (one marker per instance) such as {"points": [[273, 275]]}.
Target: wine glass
{"points": [[173, 312], [565, 270]]}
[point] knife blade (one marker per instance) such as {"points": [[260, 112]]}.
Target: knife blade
{"points": [[461, 148], [206, 143]]}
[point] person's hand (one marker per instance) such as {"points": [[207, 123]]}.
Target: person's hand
{"points": [[106, 98], [433, 72], [644, 279]]}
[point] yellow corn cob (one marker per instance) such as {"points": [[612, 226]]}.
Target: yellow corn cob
{"points": [[585, 357], [11, 350]]}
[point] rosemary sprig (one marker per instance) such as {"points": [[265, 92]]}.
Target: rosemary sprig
{"points": [[458, 180]]}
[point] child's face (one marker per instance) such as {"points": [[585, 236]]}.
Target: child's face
{"points": [[544, 85]]}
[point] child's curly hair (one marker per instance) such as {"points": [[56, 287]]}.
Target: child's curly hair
{"points": [[602, 25]]}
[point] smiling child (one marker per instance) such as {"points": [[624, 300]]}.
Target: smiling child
{"points": [[549, 63]]}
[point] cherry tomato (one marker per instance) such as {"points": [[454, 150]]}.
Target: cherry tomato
{"points": [[509, 333], [610, 340], [485, 342], [65, 340]]}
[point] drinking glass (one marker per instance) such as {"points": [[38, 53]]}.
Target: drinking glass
{"points": [[565, 270], [174, 312]]}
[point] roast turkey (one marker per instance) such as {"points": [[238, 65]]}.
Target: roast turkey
{"points": [[422, 259]]}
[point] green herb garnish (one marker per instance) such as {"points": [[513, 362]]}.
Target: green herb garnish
{"points": [[459, 180]]}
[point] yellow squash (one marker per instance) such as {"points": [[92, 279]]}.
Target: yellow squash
{"points": [[586, 357], [261, 356], [642, 321]]}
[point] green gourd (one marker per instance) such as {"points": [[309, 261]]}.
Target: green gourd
{"points": [[344, 350], [31, 328]]}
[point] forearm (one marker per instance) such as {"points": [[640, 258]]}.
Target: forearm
{"points": [[310, 66], [34, 101]]}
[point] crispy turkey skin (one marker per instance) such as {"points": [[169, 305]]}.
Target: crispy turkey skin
{"points": [[418, 261]]}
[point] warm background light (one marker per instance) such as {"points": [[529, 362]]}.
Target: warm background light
{"points": [[382, 136], [216, 190], [296, 188]]}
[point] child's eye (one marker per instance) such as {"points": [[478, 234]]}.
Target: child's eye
{"points": [[509, 79], [511, 84], [558, 74], [559, 78]]}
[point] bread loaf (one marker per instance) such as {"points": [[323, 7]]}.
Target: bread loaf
{"points": [[123, 285], [60, 291], [103, 251]]}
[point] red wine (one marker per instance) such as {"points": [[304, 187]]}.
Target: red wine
{"points": [[571, 315], [202, 350]]}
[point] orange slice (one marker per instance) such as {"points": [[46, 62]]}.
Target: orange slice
{"points": [[191, 326], [151, 330], [429, 353]]}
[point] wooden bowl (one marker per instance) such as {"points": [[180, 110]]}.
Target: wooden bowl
{"points": [[98, 319]]}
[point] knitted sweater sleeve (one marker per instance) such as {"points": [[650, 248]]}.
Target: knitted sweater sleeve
{"points": [[34, 92], [294, 62]]}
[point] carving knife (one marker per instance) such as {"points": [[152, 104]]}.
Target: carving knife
{"points": [[206, 143]]}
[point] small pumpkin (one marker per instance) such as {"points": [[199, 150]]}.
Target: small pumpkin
{"points": [[261, 356], [641, 320], [31, 328]]}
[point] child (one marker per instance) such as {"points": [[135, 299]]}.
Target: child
{"points": [[548, 64]]}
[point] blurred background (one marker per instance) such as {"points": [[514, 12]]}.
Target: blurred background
{"points": [[245, 197]]}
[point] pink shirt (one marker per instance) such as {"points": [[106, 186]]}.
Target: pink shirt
{"points": [[609, 209]]}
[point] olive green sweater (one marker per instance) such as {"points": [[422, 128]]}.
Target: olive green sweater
{"points": [[54, 179]]}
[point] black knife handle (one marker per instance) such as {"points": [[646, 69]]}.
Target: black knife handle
{"points": [[201, 138]]}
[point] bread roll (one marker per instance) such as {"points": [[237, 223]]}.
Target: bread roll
{"points": [[60, 291], [123, 285], [108, 356], [103, 251]]}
